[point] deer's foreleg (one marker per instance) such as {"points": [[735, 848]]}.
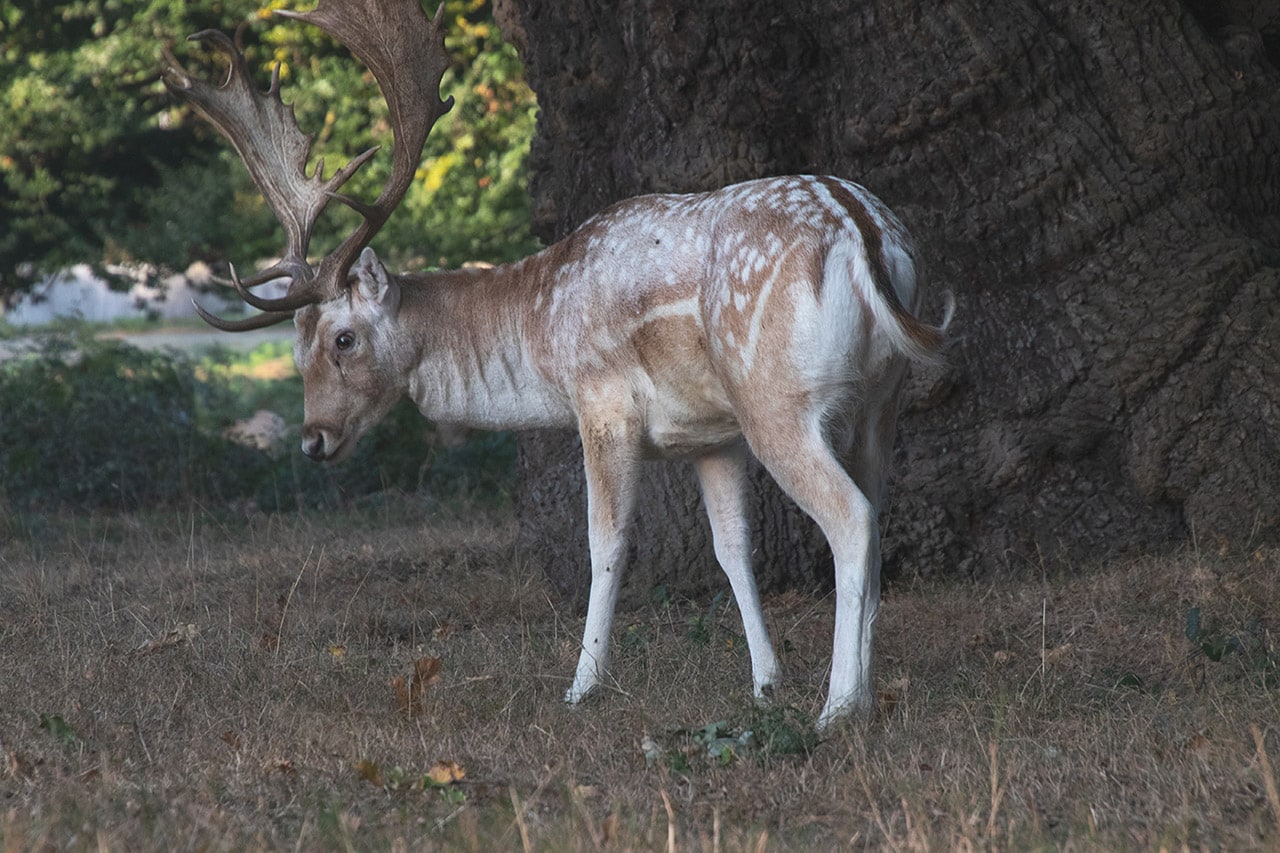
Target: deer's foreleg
{"points": [[610, 446]]}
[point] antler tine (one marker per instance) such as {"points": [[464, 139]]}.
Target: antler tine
{"points": [[407, 56], [257, 321], [274, 310], [265, 134]]}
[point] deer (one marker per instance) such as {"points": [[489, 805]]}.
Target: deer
{"points": [[774, 319]]}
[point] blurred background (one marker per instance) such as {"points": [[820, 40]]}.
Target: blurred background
{"points": [[117, 206]]}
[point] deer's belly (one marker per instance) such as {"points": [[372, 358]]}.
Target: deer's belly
{"points": [[683, 426]]}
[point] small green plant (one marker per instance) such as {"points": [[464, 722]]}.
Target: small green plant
{"points": [[634, 637], [783, 730], [700, 627], [767, 733], [1250, 645], [59, 728], [1212, 644]]}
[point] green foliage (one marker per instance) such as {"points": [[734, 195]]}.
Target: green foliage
{"points": [[82, 118], [701, 627], [89, 423], [1212, 644], [98, 163], [59, 728], [1250, 646], [783, 730], [766, 734], [470, 200]]}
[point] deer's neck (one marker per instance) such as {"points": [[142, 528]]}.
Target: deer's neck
{"points": [[473, 363]]}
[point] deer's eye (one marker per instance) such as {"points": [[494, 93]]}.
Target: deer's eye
{"points": [[345, 340]]}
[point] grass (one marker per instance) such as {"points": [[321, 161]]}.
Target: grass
{"points": [[175, 680]]}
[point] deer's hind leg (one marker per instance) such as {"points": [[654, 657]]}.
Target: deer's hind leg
{"points": [[722, 474], [793, 446]]}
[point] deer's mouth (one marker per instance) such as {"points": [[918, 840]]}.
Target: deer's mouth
{"points": [[325, 445]]}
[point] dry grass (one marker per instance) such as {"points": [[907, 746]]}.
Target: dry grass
{"points": [[1068, 713]]}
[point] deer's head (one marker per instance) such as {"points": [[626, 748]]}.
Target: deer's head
{"points": [[345, 305]]}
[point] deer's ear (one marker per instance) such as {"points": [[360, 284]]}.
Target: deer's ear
{"points": [[372, 282]]}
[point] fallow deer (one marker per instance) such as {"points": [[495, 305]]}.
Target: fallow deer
{"points": [[774, 317]]}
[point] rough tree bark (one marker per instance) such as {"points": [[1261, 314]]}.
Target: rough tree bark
{"points": [[1099, 184]]}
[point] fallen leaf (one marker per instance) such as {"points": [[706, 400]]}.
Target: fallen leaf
{"points": [[232, 740], [283, 766], [404, 702], [370, 772], [426, 671], [442, 630], [446, 773], [173, 637], [609, 827], [337, 652], [1059, 655], [15, 765], [409, 694]]}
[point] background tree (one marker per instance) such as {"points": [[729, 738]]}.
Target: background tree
{"points": [[81, 142], [98, 164], [1097, 183]]}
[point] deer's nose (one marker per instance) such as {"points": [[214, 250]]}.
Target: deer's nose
{"points": [[315, 443]]}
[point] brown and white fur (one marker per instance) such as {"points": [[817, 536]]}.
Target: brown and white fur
{"points": [[772, 318]]}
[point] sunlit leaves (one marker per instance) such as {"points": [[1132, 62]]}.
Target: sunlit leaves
{"points": [[469, 201]]}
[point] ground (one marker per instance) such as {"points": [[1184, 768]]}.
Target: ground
{"points": [[388, 677]]}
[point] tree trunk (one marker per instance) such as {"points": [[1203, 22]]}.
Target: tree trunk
{"points": [[1099, 184]]}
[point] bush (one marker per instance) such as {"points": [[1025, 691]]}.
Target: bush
{"points": [[87, 424], [90, 423]]}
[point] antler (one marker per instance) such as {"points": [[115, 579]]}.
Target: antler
{"points": [[406, 54]]}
